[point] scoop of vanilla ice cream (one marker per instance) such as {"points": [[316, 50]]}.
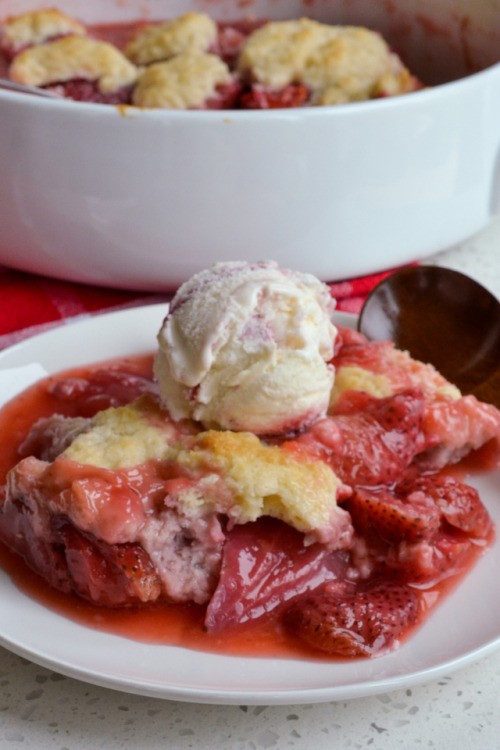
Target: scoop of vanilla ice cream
{"points": [[246, 346]]}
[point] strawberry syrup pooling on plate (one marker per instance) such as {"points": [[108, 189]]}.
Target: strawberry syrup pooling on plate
{"points": [[417, 533]]}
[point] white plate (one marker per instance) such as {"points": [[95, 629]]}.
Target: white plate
{"points": [[463, 629]]}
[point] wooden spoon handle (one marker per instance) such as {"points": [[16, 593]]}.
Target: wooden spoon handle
{"points": [[489, 390]]}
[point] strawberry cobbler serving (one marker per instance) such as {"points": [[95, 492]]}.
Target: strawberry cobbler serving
{"points": [[194, 62], [264, 470]]}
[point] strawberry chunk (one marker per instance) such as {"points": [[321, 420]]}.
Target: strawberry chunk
{"points": [[368, 622], [416, 508], [392, 519], [370, 441], [428, 562], [100, 390], [421, 528], [265, 565], [458, 503], [17, 531], [226, 96], [107, 574], [231, 36]]}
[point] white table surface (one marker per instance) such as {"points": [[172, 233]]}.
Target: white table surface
{"points": [[40, 709]]}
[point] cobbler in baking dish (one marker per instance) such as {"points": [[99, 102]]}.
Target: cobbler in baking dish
{"points": [[193, 62], [340, 533]]}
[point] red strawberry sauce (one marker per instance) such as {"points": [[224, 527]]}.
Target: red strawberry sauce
{"points": [[180, 625]]}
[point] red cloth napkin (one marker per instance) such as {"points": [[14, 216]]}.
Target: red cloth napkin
{"points": [[31, 304]]}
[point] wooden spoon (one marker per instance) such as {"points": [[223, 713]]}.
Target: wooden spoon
{"points": [[443, 317]]}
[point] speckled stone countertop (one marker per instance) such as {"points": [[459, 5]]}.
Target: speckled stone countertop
{"points": [[40, 709]]}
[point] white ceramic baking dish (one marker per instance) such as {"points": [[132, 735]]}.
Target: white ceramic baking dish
{"points": [[142, 199]]}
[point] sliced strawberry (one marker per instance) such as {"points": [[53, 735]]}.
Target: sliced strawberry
{"points": [[17, 531], [428, 562], [419, 529], [100, 390], [402, 411], [108, 574], [458, 503], [49, 436], [368, 622], [370, 441], [265, 565], [392, 519], [459, 426]]}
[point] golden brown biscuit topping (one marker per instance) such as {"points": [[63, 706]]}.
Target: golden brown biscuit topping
{"points": [[73, 58], [191, 32], [37, 27], [184, 82], [338, 63]]}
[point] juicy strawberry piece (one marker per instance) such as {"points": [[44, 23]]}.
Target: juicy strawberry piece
{"points": [[259, 97], [425, 562], [18, 533], [459, 427], [368, 622], [100, 390], [229, 43], [108, 574], [408, 528], [392, 519], [403, 411], [458, 503], [372, 441], [50, 436], [265, 565], [226, 96], [231, 36], [81, 90]]}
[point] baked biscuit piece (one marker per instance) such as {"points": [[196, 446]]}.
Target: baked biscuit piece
{"points": [[191, 32], [73, 58], [336, 63], [232, 473], [354, 64], [213, 472], [186, 81], [126, 436], [275, 55], [37, 27], [268, 480]]}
